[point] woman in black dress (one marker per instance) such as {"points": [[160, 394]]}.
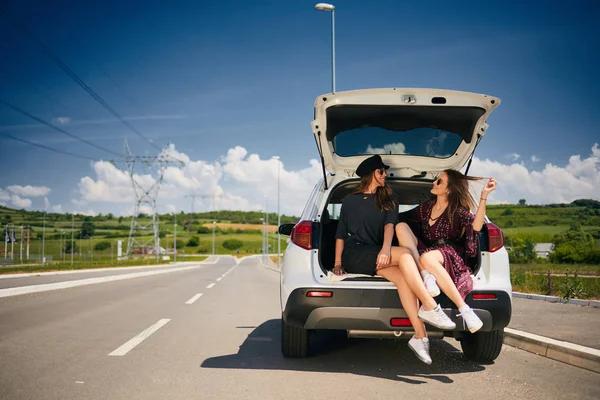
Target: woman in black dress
{"points": [[364, 245]]}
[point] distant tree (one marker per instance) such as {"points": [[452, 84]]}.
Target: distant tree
{"points": [[572, 246], [232, 244], [109, 216], [193, 241], [70, 246], [88, 228], [586, 203], [508, 211], [120, 220], [522, 250], [522, 202], [204, 229], [102, 245], [180, 244], [162, 235]]}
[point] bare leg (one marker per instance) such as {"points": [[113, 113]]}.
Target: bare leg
{"points": [[402, 258], [433, 261], [406, 238], [407, 298]]}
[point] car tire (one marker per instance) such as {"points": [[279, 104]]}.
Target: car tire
{"points": [[482, 346], [294, 341]]}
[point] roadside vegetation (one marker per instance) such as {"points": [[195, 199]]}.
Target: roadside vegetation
{"points": [[92, 241], [572, 268]]}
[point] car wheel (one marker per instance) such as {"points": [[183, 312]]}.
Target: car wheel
{"points": [[294, 341], [482, 346]]}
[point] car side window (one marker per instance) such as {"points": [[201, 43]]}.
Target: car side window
{"points": [[334, 210]]}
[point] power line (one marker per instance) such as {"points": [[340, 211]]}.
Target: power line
{"points": [[17, 109], [76, 78], [45, 147]]}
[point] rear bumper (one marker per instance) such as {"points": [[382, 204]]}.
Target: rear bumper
{"points": [[372, 309]]}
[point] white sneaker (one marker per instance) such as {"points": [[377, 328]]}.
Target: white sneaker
{"points": [[471, 320], [436, 317], [431, 285], [421, 349]]}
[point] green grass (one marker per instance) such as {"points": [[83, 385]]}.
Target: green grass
{"points": [[581, 269], [561, 286]]}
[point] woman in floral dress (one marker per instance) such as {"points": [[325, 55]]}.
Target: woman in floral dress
{"points": [[441, 234]]}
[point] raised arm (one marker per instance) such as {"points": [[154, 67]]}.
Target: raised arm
{"points": [[480, 216]]}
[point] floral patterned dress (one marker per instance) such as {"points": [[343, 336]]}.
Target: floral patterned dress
{"points": [[456, 242]]}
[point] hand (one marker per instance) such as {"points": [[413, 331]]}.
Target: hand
{"points": [[338, 270], [383, 258], [489, 187]]}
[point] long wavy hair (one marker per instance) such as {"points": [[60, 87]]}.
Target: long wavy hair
{"points": [[384, 199], [458, 192]]}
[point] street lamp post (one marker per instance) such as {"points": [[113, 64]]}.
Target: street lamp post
{"points": [[262, 246], [330, 8], [278, 214], [175, 235], [213, 238], [266, 228], [44, 241]]}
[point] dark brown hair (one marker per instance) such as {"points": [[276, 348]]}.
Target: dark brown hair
{"points": [[384, 199], [458, 192]]}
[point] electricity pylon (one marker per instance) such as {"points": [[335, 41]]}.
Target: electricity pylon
{"points": [[145, 195]]}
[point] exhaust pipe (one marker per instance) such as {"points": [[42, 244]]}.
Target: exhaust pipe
{"points": [[360, 334]]}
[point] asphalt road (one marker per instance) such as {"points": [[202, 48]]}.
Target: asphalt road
{"points": [[77, 344]]}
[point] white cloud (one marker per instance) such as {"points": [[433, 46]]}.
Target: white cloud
{"points": [[4, 195], [19, 202], [580, 178], [240, 180], [57, 209], [535, 159], [237, 181], [513, 156], [391, 148], [29, 191], [62, 120]]}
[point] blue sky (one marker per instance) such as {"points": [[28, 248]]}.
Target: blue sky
{"points": [[232, 86]]}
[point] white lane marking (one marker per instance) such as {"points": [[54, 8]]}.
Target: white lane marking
{"points": [[211, 286], [87, 271], [124, 349], [218, 279], [82, 282], [216, 260], [193, 299]]}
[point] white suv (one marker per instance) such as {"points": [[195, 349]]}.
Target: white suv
{"points": [[418, 133]]}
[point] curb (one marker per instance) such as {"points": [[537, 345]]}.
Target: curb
{"points": [[568, 353], [554, 299]]}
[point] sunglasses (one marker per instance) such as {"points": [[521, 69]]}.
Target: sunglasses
{"points": [[381, 171], [439, 181]]}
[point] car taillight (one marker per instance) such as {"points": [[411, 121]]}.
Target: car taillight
{"points": [[302, 234], [495, 237], [484, 296], [317, 293], [400, 322]]}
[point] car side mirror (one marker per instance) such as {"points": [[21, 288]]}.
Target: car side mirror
{"points": [[286, 229]]}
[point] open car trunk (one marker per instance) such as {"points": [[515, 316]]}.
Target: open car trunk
{"points": [[409, 192]]}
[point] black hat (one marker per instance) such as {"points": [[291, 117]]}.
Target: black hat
{"points": [[369, 165]]}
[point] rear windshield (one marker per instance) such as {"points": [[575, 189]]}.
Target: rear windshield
{"points": [[429, 131], [427, 142]]}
